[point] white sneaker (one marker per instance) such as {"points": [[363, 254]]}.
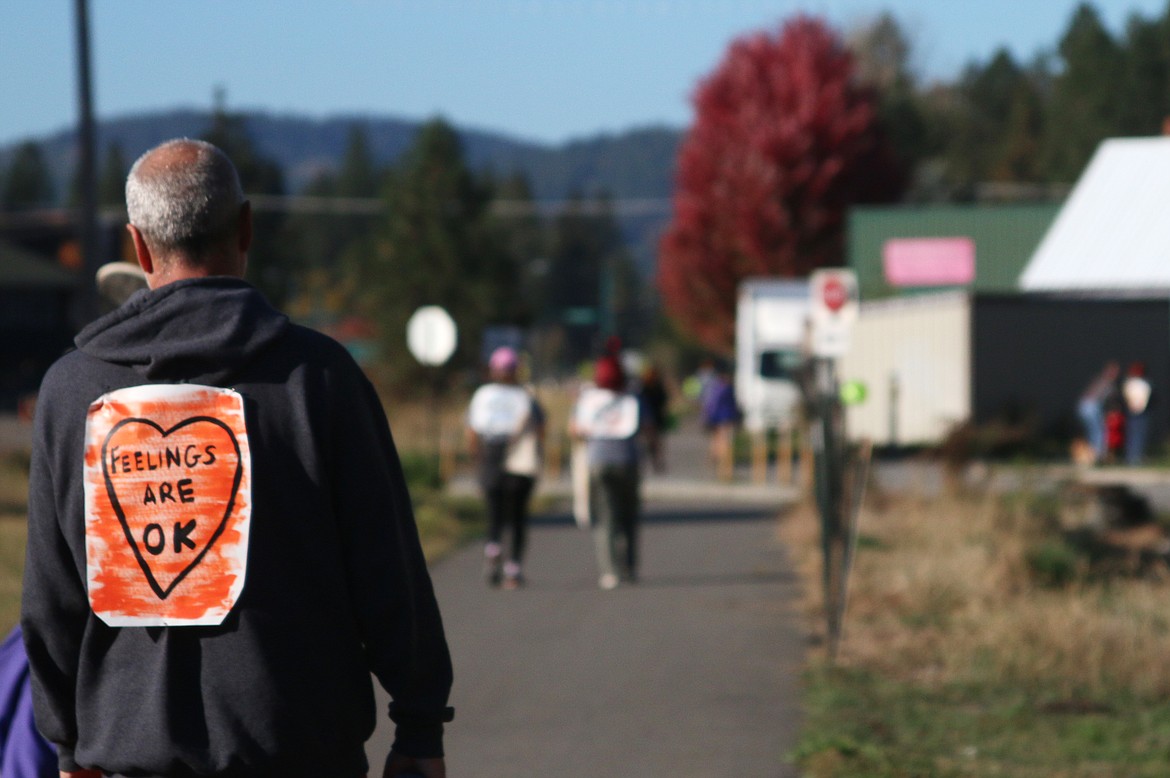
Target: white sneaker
{"points": [[608, 581], [513, 578]]}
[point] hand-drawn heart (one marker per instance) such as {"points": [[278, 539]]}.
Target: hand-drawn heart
{"points": [[172, 490]]}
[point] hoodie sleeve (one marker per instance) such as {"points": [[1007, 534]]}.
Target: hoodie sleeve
{"points": [[54, 605], [388, 580]]}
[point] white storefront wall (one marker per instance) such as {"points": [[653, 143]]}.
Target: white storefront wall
{"points": [[914, 356]]}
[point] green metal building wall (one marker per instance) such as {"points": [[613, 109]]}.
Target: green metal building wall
{"points": [[1005, 237]]}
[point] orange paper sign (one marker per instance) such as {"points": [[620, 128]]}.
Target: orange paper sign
{"points": [[168, 504]]}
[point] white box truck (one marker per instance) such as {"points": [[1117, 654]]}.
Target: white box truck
{"points": [[771, 324]]}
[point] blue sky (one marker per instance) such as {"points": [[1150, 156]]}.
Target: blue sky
{"points": [[544, 70]]}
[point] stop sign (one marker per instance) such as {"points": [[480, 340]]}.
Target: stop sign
{"points": [[834, 308], [834, 294]]}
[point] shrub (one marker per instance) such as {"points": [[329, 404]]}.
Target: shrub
{"points": [[422, 471], [1053, 563]]}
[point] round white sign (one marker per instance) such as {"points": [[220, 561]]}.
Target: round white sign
{"points": [[431, 335]]}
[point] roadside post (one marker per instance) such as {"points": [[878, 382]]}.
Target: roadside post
{"points": [[836, 485], [431, 336]]}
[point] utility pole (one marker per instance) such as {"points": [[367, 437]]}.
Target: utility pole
{"points": [[85, 305]]}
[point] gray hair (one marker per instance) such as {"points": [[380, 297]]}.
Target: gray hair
{"points": [[184, 195]]}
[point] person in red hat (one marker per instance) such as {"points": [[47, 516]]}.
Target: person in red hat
{"points": [[608, 418]]}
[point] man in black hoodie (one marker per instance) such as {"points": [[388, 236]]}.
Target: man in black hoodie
{"points": [[221, 545]]}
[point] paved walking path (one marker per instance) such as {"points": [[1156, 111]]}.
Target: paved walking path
{"points": [[693, 671]]}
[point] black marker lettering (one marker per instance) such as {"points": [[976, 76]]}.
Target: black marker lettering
{"points": [[164, 492], [173, 457], [181, 535], [137, 460], [154, 547], [186, 491], [210, 457], [190, 459], [149, 497]]}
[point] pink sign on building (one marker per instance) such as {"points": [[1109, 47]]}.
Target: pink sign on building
{"points": [[929, 261]]}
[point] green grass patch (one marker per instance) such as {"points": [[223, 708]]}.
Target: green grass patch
{"points": [[860, 724]]}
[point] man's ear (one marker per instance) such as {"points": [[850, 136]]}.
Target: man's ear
{"points": [[141, 250]]}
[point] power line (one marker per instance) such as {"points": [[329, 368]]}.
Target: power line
{"points": [[370, 206]]}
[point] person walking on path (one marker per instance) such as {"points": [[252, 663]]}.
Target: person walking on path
{"points": [[505, 425], [720, 417], [656, 402], [221, 546], [608, 419], [1136, 393], [1091, 409]]}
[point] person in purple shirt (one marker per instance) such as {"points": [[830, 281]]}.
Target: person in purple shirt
{"points": [[24, 753]]}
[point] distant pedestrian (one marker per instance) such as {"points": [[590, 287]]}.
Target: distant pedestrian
{"points": [[720, 418], [608, 418], [656, 403], [703, 382], [1136, 392], [505, 427], [1091, 409]]}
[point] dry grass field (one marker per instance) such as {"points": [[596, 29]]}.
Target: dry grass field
{"points": [[13, 502], [976, 643]]}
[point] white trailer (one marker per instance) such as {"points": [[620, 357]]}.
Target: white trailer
{"points": [[771, 325]]}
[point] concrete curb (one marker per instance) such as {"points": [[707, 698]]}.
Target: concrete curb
{"points": [[661, 489]]}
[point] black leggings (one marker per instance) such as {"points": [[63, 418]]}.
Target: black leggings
{"points": [[508, 507]]}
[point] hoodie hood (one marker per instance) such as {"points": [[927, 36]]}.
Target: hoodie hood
{"points": [[198, 328]]}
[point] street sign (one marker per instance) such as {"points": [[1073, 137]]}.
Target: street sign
{"points": [[431, 335], [833, 300]]}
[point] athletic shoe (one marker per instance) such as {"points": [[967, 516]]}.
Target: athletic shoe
{"points": [[492, 571], [512, 577]]}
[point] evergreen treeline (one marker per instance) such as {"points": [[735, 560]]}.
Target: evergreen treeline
{"points": [[1009, 129], [444, 231], [369, 243]]}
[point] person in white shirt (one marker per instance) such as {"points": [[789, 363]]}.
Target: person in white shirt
{"points": [[505, 426], [1136, 392], [608, 418]]}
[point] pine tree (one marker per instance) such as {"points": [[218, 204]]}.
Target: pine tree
{"points": [[271, 266], [1147, 76], [1086, 100], [27, 183], [882, 53], [435, 246], [111, 187], [111, 183], [359, 175]]}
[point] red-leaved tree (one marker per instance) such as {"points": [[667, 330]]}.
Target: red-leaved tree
{"points": [[784, 140]]}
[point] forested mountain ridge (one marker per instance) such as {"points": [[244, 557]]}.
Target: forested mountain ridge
{"points": [[634, 164]]}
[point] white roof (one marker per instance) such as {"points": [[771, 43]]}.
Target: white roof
{"points": [[1114, 230]]}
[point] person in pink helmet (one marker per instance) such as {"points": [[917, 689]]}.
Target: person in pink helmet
{"points": [[505, 433]]}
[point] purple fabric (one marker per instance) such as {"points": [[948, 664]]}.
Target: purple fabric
{"points": [[23, 752], [720, 407]]}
